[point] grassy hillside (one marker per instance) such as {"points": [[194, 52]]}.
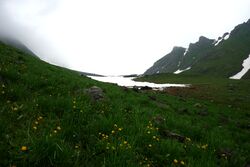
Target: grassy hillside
{"points": [[207, 58], [225, 60], [47, 118]]}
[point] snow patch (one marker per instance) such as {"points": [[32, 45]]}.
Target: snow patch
{"points": [[180, 71], [185, 52], [227, 36], [179, 63], [246, 67], [129, 82], [219, 40], [157, 72]]}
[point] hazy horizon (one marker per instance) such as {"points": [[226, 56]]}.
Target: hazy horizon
{"points": [[115, 37]]}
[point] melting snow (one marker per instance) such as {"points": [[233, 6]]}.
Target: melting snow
{"points": [[225, 38], [180, 71], [157, 72], [185, 51], [129, 82], [217, 42], [246, 67], [179, 63]]}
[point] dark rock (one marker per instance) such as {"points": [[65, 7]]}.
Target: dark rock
{"points": [[96, 93], [125, 88], [136, 88], [146, 88], [171, 135], [197, 105], [203, 112], [183, 111], [159, 120], [152, 98]]}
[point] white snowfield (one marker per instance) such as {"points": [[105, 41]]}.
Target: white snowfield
{"points": [[246, 67], [180, 71], [219, 41], [129, 82]]}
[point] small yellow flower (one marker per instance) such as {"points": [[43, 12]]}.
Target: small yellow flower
{"points": [[125, 142], [36, 122], [154, 137], [107, 148], [112, 131], [55, 131], [204, 146], [188, 139], [115, 125], [150, 145], [24, 148], [58, 128], [120, 129], [34, 127], [182, 163], [148, 132], [175, 161], [76, 146], [157, 128], [40, 117]]}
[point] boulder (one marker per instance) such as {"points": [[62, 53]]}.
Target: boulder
{"points": [[96, 93], [172, 135]]}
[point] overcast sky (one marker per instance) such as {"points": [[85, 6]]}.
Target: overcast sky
{"points": [[115, 36]]}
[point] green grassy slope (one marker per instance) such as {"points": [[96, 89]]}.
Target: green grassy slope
{"points": [[206, 58], [48, 119], [225, 60]]}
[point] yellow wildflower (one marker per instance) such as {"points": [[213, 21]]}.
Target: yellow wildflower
{"points": [[34, 127], [125, 142], [112, 131], [58, 128], [24, 148], [175, 161], [55, 131], [150, 145], [36, 122], [188, 139], [182, 163], [120, 129]]}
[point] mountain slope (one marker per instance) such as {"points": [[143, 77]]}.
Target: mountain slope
{"points": [[168, 63], [50, 117], [17, 44], [222, 57]]}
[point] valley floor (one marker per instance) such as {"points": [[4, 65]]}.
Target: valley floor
{"points": [[50, 116]]}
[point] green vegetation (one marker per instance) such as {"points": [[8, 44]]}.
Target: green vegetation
{"points": [[206, 58], [47, 118]]}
